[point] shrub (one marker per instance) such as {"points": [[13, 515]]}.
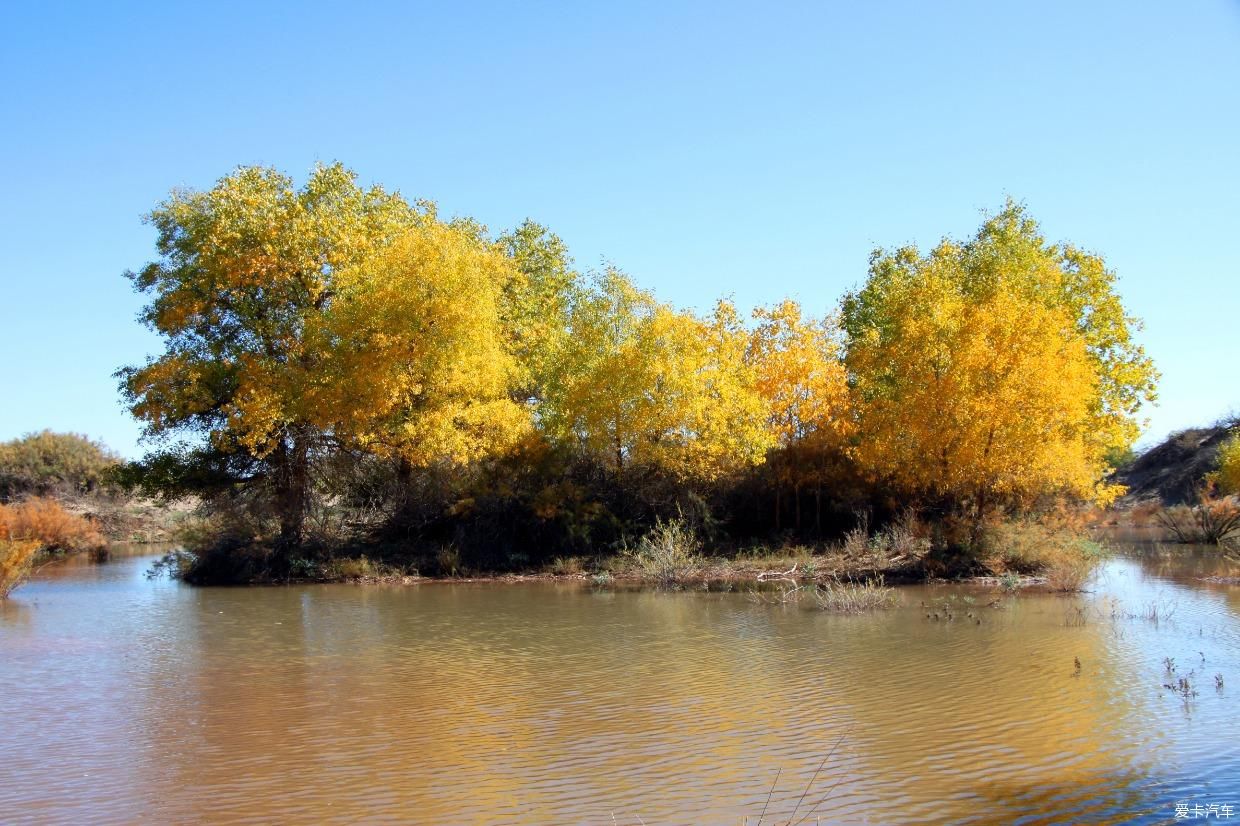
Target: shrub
{"points": [[854, 597], [904, 537], [47, 462], [16, 558], [1067, 573], [46, 523], [1047, 547], [566, 566], [1212, 521], [668, 553]]}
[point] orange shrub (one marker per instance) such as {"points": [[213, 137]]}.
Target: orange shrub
{"points": [[16, 556], [50, 526]]}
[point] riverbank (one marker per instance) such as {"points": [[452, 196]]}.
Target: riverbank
{"points": [[1050, 560]]}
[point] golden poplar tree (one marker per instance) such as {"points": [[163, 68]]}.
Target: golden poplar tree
{"points": [[296, 321], [637, 383], [993, 371], [800, 375]]}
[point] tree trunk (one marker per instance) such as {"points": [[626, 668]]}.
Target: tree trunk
{"points": [[292, 474], [796, 491], [981, 500], [818, 511]]}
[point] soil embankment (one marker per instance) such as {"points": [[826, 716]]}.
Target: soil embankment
{"points": [[1174, 471]]}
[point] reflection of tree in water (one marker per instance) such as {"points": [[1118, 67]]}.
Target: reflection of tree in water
{"points": [[544, 703]]}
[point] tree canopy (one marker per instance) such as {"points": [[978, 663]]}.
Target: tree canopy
{"points": [[302, 320], [1000, 368], [638, 383], [306, 325]]}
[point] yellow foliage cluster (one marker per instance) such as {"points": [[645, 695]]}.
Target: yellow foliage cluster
{"points": [[999, 369], [636, 382], [1227, 476], [327, 310], [333, 317]]}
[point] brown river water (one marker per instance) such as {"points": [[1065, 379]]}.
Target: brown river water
{"points": [[125, 699]]}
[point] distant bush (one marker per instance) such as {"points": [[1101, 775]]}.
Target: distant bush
{"points": [[1212, 521], [50, 526], [39, 464]]}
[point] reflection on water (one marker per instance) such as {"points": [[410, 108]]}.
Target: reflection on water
{"points": [[125, 699]]}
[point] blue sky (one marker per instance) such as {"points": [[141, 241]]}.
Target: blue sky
{"points": [[749, 150]]}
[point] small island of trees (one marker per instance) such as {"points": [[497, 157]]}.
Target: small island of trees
{"points": [[347, 373]]}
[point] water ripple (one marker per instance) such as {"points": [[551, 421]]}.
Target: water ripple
{"points": [[126, 700]]}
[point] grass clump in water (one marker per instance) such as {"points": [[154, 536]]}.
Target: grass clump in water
{"points": [[855, 597], [669, 554], [1050, 549]]}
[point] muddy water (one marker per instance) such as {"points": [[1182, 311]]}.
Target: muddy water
{"points": [[124, 699]]}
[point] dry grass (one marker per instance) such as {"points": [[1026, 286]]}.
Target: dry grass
{"points": [[1212, 521], [353, 568], [904, 538], [48, 524], [1144, 513], [1049, 548], [854, 597], [669, 553], [567, 566]]}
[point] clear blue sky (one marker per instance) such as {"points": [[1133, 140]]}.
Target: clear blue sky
{"points": [[752, 150]]}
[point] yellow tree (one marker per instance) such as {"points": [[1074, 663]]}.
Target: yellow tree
{"points": [[800, 375], [1227, 476], [637, 383], [296, 321], [993, 371], [535, 305]]}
